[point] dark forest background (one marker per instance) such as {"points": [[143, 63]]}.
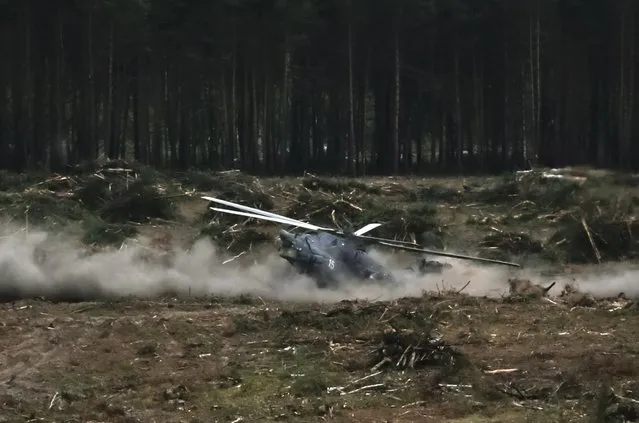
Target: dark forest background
{"points": [[333, 86]]}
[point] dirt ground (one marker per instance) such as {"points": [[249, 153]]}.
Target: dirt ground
{"points": [[444, 356], [248, 360]]}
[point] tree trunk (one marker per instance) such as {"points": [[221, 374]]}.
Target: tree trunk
{"points": [[56, 160], [396, 108], [352, 159], [459, 140]]}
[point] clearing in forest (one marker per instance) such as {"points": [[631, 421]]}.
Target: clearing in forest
{"points": [[474, 345]]}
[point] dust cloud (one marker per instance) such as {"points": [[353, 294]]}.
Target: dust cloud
{"points": [[58, 267]]}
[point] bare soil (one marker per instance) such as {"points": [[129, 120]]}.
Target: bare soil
{"points": [[249, 360]]}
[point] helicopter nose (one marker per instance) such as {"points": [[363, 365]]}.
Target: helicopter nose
{"points": [[286, 236]]}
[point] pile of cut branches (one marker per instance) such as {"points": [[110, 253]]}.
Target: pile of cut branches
{"points": [[597, 239], [402, 350], [512, 243], [237, 238], [328, 209], [356, 210], [119, 193], [235, 233], [534, 188], [338, 186]]}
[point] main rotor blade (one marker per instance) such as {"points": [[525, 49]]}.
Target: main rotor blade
{"points": [[367, 228], [250, 209], [458, 256], [282, 219], [378, 240], [272, 219]]}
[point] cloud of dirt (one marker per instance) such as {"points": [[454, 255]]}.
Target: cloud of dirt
{"points": [[605, 280], [59, 267], [463, 275]]}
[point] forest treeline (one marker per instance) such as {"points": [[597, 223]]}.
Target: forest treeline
{"points": [[339, 86]]}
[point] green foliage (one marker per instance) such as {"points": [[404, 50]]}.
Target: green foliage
{"points": [[545, 194], [403, 222], [139, 202], [354, 211], [435, 193], [234, 240], [314, 383], [239, 193], [503, 191], [100, 233], [512, 243], [202, 181], [338, 186], [17, 181], [613, 240], [95, 193]]}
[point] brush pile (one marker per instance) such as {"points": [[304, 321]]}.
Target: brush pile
{"points": [[595, 239], [511, 243], [582, 220], [235, 233], [357, 207], [534, 188], [338, 186], [119, 194], [107, 199], [334, 202], [592, 224], [410, 350], [236, 239]]}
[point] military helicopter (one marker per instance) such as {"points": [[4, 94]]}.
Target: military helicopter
{"points": [[333, 256]]}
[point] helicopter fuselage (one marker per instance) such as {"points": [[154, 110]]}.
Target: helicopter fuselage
{"points": [[330, 259], [332, 256]]}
